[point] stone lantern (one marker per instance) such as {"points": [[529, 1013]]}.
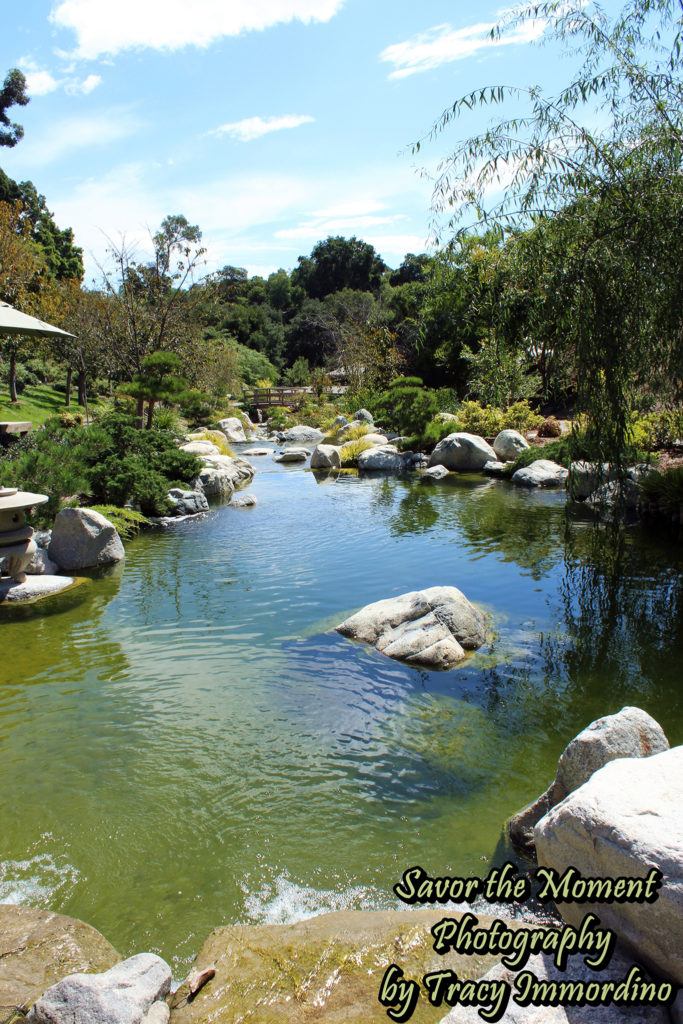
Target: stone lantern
{"points": [[16, 536]]}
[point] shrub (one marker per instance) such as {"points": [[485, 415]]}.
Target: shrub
{"points": [[349, 452], [128, 521], [197, 407], [406, 406], [217, 438], [474, 418], [522, 417], [550, 428], [355, 432], [664, 490], [279, 418]]}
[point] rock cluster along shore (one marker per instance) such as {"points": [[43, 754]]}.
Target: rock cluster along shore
{"points": [[620, 818]]}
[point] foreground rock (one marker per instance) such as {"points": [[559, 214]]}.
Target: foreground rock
{"points": [[430, 627], [243, 501], [508, 445], [382, 457], [463, 452], [200, 448], [303, 435], [493, 468], [221, 475], [232, 428], [39, 948], [433, 475], [83, 539], [629, 733], [325, 456], [625, 821], [543, 968], [292, 455], [541, 473], [122, 995], [585, 477], [33, 588], [326, 970], [187, 503]]}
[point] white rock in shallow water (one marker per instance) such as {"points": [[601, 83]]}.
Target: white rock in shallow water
{"points": [[508, 444], [257, 451], [427, 627], [435, 473], [187, 503], [386, 457], [34, 588], [325, 456], [121, 995], [292, 455], [243, 501], [462, 451], [302, 434], [233, 429], [493, 468], [541, 473], [83, 539], [625, 821]]}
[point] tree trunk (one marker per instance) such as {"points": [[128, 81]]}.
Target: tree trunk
{"points": [[69, 373], [150, 412], [82, 396], [140, 412], [13, 397]]}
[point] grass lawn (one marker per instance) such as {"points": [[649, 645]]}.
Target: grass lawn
{"points": [[38, 403]]}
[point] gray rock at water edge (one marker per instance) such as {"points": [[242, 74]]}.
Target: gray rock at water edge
{"points": [[200, 448], [425, 627], [417, 460], [433, 475], [508, 444], [382, 457], [462, 451], [376, 439], [624, 822], [83, 539], [40, 565], [215, 482], [631, 732], [158, 1013], [325, 456], [239, 470], [243, 501], [257, 451], [363, 415], [187, 503], [233, 429], [493, 468], [292, 455], [541, 473], [339, 421], [585, 477], [607, 496], [33, 588], [543, 968], [303, 435], [122, 995]]}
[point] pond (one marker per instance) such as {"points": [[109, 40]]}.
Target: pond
{"points": [[186, 743]]}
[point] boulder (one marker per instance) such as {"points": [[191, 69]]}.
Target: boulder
{"points": [[303, 435], [38, 948], [462, 451], [240, 471], [200, 448], [257, 451], [508, 444], [82, 539], [121, 995], [425, 627], [233, 429], [430, 476], [543, 968], [631, 732], [33, 588], [493, 468], [416, 460], [585, 478], [381, 457], [187, 503], [606, 496], [541, 473], [623, 822], [354, 425], [43, 538], [324, 970], [339, 421], [376, 439], [325, 456], [158, 1013], [363, 415], [292, 455], [243, 501], [215, 482]]}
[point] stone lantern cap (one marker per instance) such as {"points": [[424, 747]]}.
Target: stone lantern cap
{"points": [[11, 498]]}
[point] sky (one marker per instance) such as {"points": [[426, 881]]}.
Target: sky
{"points": [[271, 124]]}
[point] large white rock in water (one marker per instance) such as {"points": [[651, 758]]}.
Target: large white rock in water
{"points": [[187, 503], [215, 482], [82, 539], [585, 478], [541, 473], [433, 475], [303, 435], [386, 457], [200, 448], [426, 627], [232, 427], [625, 821], [462, 451], [122, 995], [508, 444], [292, 455], [325, 456]]}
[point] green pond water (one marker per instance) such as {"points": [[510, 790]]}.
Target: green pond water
{"points": [[185, 743]]}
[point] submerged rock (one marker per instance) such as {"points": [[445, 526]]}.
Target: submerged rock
{"points": [[39, 948], [430, 627], [243, 501], [625, 821], [83, 539], [463, 452], [121, 995], [541, 473]]}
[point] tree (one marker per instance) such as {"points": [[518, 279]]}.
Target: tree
{"points": [[602, 207], [13, 93], [63, 259], [21, 277], [157, 381], [339, 263]]}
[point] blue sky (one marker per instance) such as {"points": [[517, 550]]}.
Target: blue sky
{"points": [[270, 123]]}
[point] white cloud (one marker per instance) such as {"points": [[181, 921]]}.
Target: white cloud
{"points": [[86, 86], [442, 44], [40, 83], [105, 28], [63, 137], [254, 127], [319, 228]]}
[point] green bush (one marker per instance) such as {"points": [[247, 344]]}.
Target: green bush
{"points": [[406, 406], [663, 491], [474, 418], [197, 407], [279, 418], [128, 521]]}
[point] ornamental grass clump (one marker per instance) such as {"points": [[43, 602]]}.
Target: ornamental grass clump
{"points": [[128, 521], [349, 452]]}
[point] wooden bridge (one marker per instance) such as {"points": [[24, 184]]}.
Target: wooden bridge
{"points": [[267, 398]]}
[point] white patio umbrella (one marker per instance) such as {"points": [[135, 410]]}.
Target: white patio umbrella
{"points": [[14, 322]]}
